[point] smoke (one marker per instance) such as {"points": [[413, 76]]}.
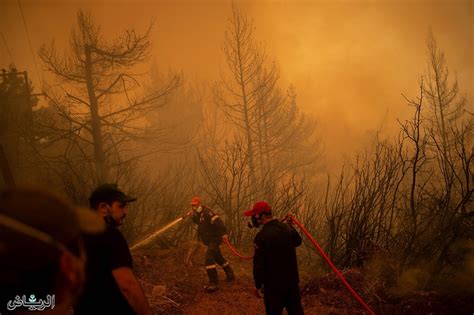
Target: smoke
{"points": [[452, 279]]}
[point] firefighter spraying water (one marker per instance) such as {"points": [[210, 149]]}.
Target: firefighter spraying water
{"points": [[211, 232]]}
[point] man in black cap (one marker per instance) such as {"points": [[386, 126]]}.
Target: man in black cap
{"points": [[42, 259], [275, 268], [111, 286]]}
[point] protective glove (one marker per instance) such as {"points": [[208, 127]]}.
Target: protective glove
{"points": [[187, 214]]}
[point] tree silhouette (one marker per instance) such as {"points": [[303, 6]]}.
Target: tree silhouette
{"points": [[97, 99]]}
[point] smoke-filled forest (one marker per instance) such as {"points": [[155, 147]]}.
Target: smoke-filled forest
{"points": [[361, 131]]}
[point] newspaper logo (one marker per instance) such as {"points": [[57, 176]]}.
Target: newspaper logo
{"points": [[31, 303]]}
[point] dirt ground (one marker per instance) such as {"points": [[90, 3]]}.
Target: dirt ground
{"points": [[174, 281]]}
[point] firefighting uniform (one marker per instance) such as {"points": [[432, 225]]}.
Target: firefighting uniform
{"points": [[211, 228], [275, 267]]}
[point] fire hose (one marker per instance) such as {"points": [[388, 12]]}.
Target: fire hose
{"points": [[291, 218], [334, 268], [288, 217], [232, 248]]}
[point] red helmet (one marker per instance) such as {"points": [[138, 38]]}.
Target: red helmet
{"points": [[195, 201], [258, 208]]}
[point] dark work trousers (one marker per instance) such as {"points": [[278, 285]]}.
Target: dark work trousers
{"points": [[214, 255], [278, 298]]}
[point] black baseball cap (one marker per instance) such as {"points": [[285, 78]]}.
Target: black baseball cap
{"points": [[108, 193]]}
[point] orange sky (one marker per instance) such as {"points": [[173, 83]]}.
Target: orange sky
{"points": [[349, 60]]}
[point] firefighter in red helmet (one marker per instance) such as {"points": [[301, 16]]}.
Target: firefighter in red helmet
{"points": [[275, 268], [211, 230]]}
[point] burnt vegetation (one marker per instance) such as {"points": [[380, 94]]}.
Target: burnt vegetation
{"points": [[402, 211]]}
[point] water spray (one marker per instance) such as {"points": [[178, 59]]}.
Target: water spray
{"points": [[155, 234]]}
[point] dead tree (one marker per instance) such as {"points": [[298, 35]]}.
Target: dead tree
{"points": [[237, 95], [225, 175], [413, 153], [362, 207], [450, 139], [446, 108], [268, 119], [96, 101]]}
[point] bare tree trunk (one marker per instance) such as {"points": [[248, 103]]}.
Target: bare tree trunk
{"points": [[95, 119], [245, 112]]}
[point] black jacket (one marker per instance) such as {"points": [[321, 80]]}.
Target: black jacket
{"points": [[210, 226], [274, 261]]}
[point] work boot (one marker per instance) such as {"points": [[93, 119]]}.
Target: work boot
{"points": [[211, 287], [212, 275], [229, 273]]}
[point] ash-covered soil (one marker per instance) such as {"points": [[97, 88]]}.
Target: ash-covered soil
{"points": [[174, 281]]}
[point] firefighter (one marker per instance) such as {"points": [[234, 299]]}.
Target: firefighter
{"points": [[275, 268], [211, 230]]}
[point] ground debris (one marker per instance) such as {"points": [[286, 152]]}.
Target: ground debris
{"points": [[174, 280]]}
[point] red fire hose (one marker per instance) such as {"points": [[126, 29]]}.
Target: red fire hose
{"points": [[321, 252], [232, 248], [338, 273]]}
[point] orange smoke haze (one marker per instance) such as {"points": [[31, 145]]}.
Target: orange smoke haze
{"points": [[350, 61]]}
